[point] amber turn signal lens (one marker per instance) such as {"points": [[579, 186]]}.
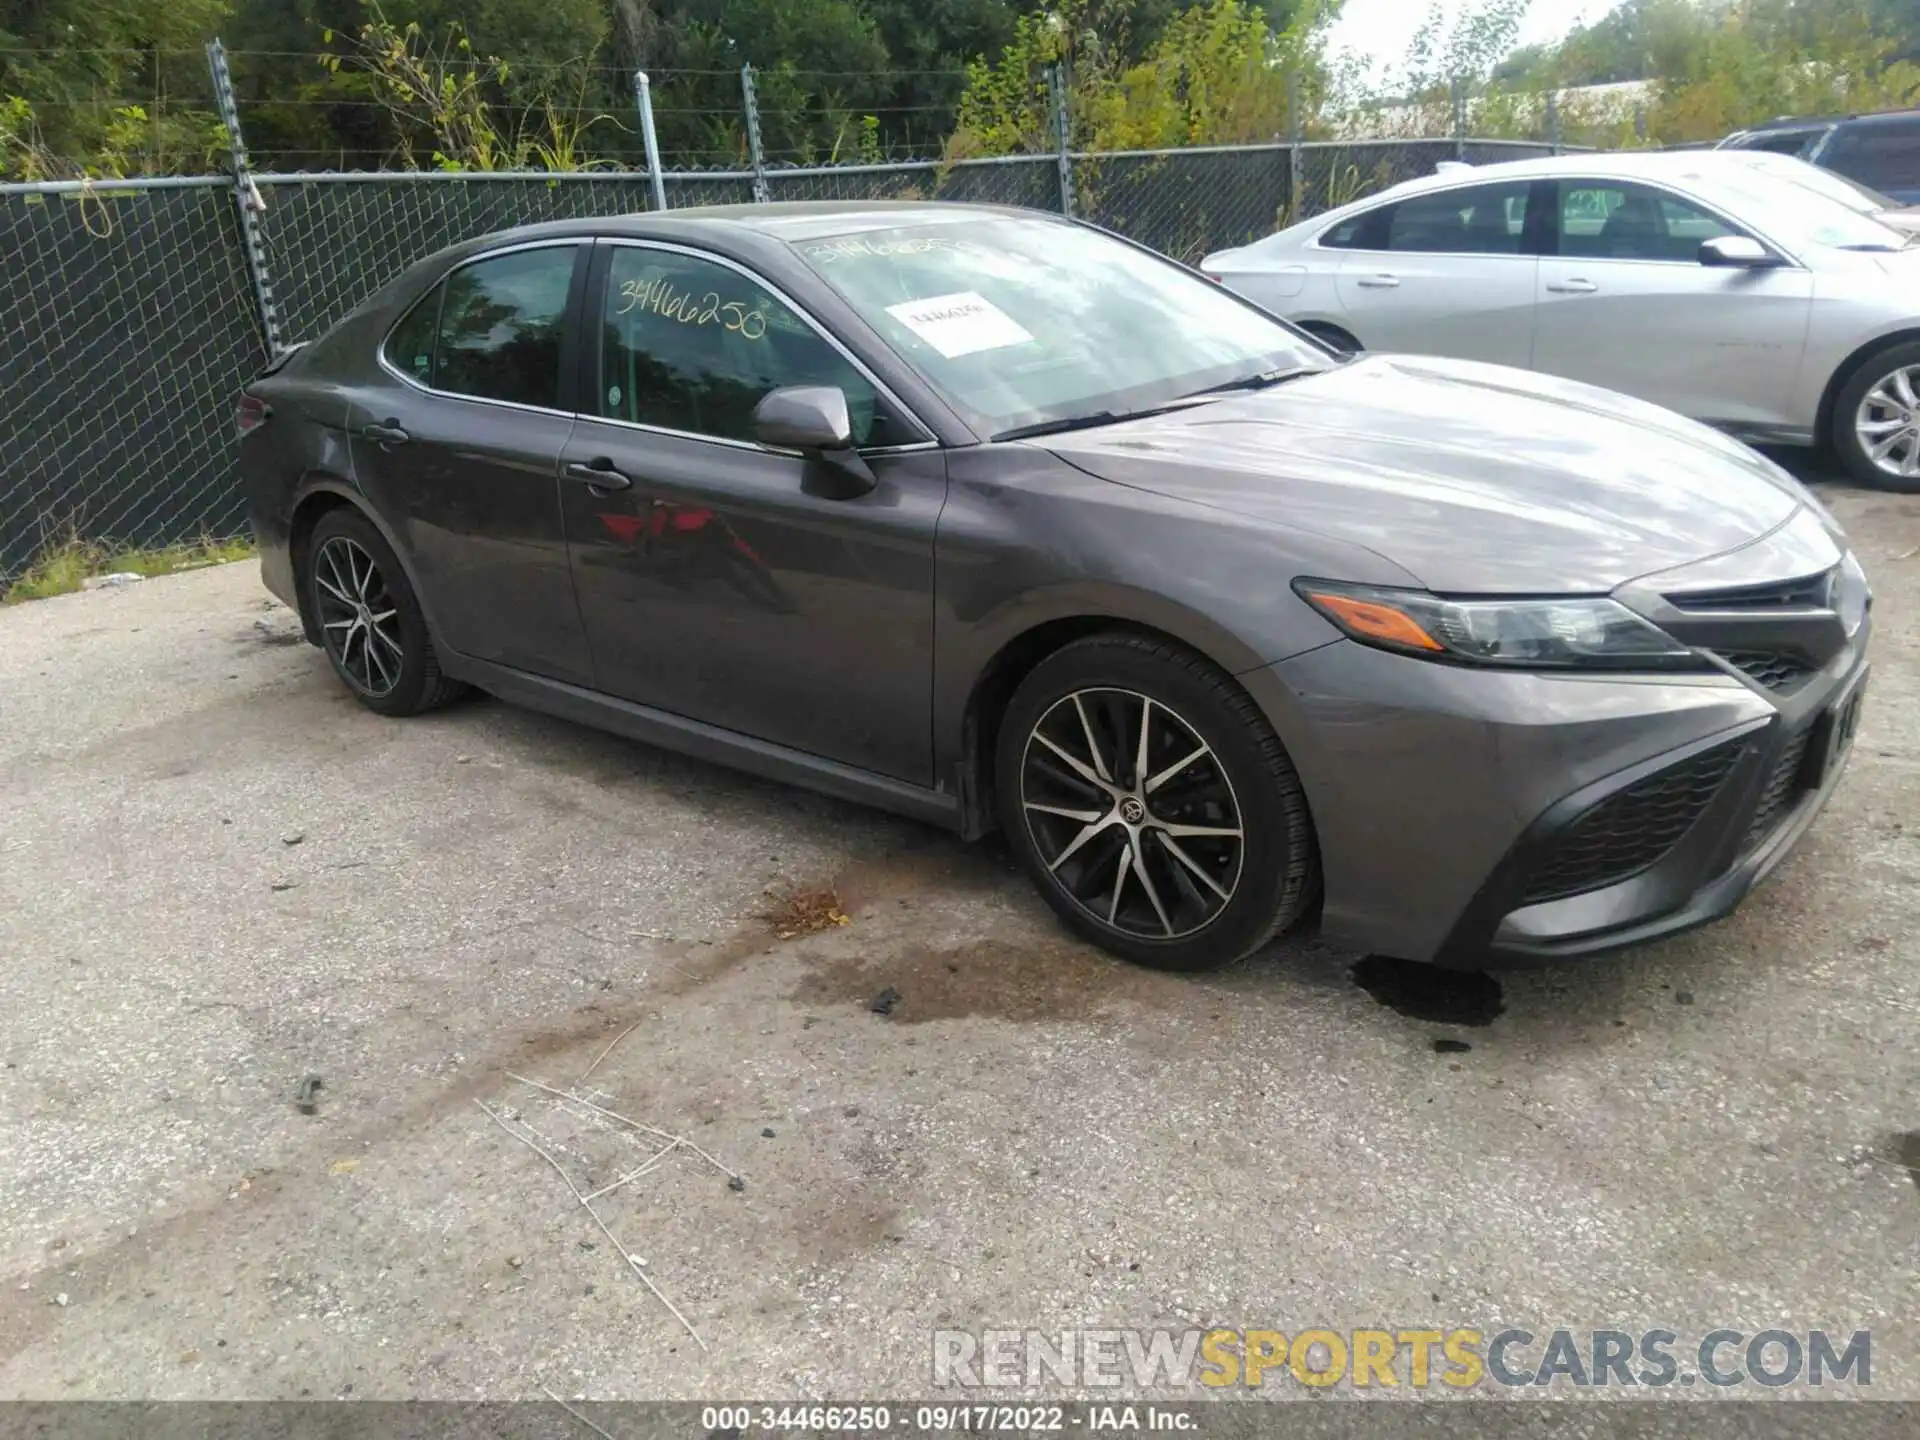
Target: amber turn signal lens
{"points": [[1376, 621]]}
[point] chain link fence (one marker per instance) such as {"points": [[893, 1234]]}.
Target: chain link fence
{"points": [[126, 328], [130, 324]]}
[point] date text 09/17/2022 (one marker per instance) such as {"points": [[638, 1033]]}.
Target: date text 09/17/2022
{"points": [[946, 1418]]}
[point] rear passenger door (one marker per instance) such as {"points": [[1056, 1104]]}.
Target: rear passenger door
{"points": [[458, 446], [1445, 273]]}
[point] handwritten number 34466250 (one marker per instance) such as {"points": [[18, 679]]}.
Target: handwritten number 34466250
{"points": [[709, 309]]}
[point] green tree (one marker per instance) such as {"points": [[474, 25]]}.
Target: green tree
{"points": [[102, 85]]}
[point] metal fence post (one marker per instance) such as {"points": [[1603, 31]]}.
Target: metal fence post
{"points": [[1457, 94], [1553, 121], [246, 196], [1057, 94], [1295, 154], [643, 97], [752, 103]]}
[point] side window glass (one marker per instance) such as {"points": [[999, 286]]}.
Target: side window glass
{"points": [[500, 327], [410, 345], [689, 344], [1793, 142], [1884, 155], [1354, 233], [1478, 220], [1606, 220]]}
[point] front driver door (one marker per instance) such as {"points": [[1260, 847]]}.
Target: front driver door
{"points": [[715, 581], [1625, 303]]}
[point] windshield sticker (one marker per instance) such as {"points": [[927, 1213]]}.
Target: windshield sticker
{"points": [[960, 324], [853, 246]]}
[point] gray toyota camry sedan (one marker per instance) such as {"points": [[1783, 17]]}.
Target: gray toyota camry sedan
{"points": [[1005, 523]]}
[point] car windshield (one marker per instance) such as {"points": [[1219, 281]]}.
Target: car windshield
{"points": [[1035, 323], [1795, 214], [1850, 193]]}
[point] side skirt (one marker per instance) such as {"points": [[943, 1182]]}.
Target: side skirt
{"points": [[705, 742]]}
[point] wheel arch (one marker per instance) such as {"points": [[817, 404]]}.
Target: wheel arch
{"points": [[1015, 658], [1844, 372], [325, 494], [1326, 332]]}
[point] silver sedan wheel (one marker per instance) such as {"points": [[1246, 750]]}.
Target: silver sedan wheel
{"points": [[1888, 423], [1132, 813], [359, 622]]}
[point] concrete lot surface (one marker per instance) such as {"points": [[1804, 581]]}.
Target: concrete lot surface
{"points": [[220, 877]]}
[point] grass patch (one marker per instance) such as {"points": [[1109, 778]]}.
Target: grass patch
{"points": [[70, 564]]}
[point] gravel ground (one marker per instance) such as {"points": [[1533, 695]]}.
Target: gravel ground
{"points": [[219, 877]]}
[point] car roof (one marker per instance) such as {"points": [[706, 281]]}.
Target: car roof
{"points": [[1612, 164], [1800, 122], [787, 220]]}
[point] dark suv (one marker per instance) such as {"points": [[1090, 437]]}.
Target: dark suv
{"points": [[1881, 150]]}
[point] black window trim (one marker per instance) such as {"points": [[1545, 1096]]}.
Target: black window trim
{"points": [[1551, 239], [569, 328], [1528, 231], [590, 357]]}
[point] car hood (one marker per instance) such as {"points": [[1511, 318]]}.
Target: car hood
{"points": [[1471, 478]]}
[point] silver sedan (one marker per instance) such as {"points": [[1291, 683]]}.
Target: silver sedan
{"points": [[1718, 288]]}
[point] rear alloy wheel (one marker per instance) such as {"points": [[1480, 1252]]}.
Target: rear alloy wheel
{"points": [[1152, 804], [370, 625], [1876, 421], [359, 622]]}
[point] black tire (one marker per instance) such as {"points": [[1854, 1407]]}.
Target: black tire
{"points": [[1332, 335], [1847, 442], [1100, 689], [350, 576]]}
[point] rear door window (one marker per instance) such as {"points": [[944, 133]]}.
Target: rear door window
{"points": [[1475, 220], [500, 327], [409, 348], [1365, 231]]}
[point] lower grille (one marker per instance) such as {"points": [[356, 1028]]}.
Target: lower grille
{"points": [[1633, 830], [1783, 787], [1776, 670]]}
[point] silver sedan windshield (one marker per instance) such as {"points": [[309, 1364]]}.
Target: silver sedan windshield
{"points": [[1795, 214], [1024, 322]]}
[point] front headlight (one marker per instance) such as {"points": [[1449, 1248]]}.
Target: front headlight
{"points": [[1579, 632]]}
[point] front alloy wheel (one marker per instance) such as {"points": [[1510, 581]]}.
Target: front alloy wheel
{"points": [[1887, 422], [1151, 803], [1131, 813], [1875, 425]]}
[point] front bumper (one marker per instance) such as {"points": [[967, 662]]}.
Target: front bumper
{"points": [[1458, 810]]}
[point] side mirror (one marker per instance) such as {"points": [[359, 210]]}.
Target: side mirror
{"points": [[804, 417], [813, 419], [1736, 251]]}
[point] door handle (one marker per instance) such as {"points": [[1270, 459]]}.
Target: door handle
{"points": [[599, 475], [1572, 287], [387, 434], [1380, 282]]}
